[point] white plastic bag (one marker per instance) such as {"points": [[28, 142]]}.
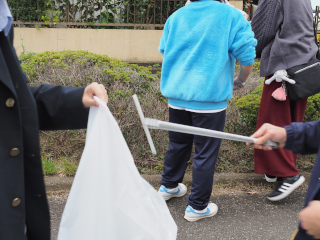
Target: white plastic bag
{"points": [[108, 198]]}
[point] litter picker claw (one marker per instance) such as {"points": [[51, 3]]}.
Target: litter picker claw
{"points": [[157, 124]]}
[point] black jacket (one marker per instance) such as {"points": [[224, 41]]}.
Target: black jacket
{"points": [[23, 111]]}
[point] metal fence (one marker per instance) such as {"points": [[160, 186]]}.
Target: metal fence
{"points": [[94, 13]]}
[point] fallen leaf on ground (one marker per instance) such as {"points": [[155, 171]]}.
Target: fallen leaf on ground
{"points": [[252, 193]]}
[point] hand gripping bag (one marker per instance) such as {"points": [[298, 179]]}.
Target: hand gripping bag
{"points": [[108, 198]]}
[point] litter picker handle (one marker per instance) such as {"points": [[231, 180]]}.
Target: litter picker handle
{"points": [[157, 124]]}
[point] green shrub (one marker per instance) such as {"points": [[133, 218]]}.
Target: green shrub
{"points": [[256, 67], [248, 107], [313, 107], [63, 149], [122, 80]]}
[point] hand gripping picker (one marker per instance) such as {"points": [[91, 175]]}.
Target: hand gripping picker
{"points": [[157, 124]]}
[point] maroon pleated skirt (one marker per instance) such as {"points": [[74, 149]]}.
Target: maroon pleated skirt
{"points": [[277, 162]]}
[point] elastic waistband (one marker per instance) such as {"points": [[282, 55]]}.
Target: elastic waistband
{"points": [[198, 105]]}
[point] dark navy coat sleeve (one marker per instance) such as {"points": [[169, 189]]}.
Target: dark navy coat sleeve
{"points": [[304, 138], [67, 112]]}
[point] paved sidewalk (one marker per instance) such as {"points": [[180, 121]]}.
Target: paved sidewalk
{"points": [[244, 212]]}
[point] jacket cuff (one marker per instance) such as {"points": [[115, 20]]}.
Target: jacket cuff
{"points": [[290, 138], [78, 97], [247, 62]]}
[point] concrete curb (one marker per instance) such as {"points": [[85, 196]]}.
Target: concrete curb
{"points": [[56, 183]]}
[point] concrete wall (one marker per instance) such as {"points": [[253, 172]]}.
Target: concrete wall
{"points": [[126, 45], [237, 4], [134, 46]]}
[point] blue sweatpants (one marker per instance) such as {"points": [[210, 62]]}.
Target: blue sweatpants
{"points": [[205, 156]]}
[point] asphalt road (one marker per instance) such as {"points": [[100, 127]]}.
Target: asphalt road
{"points": [[244, 212]]}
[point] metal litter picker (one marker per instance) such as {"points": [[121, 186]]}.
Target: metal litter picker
{"points": [[157, 124]]}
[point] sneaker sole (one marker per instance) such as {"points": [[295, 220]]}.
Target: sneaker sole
{"points": [[198, 218], [174, 195], [270, 179], [286, 194]]}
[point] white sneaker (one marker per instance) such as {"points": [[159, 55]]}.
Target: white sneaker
{"points": [[270, 178], [193, 215], [168, 193]]}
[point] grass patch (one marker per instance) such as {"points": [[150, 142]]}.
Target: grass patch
{"points": [[48, 165], [69, 168]]}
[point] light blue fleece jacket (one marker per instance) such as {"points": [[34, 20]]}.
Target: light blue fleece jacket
{"points": [[200, 44]]}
